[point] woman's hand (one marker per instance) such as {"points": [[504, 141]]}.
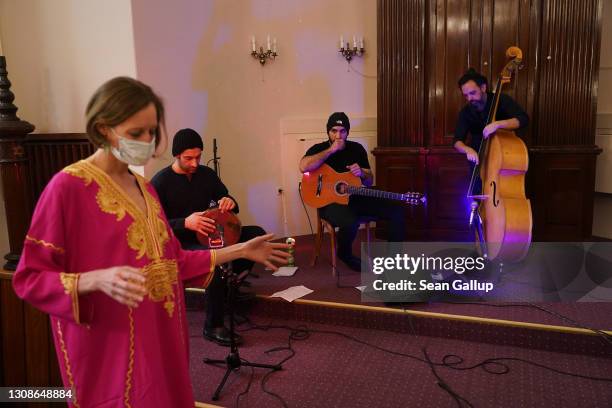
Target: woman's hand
{"points": [[260, 250], [125, 284]]}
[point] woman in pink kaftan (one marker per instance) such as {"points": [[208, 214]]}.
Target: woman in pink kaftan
{"points": [[102, 261]]}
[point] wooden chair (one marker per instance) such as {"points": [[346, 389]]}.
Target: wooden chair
{"points": [[322, 225]]}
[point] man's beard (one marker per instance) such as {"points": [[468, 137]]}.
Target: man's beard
{"points": [[479, 106], [188, 169]]}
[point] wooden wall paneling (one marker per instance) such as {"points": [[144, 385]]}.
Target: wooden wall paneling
{"points": [[473, 33], [507, 23], [450, 51], [510, 26], [567, 83], [558, 94], [401, 170], [401, 85], [14, 175], [447, 207], [28, 352], [13, 334], [560, 185], [531, 70], [37, 334], [48, 154]]}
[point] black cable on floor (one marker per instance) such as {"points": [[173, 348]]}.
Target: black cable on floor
{"points": [[298, 333], [442, 384], [496, 366], [248, 387], [305, 209]]}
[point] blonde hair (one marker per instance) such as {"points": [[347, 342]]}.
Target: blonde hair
{"points": [[117, 100]]}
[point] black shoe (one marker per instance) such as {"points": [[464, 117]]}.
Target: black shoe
{"points": [[351, 261], [221, 336]]}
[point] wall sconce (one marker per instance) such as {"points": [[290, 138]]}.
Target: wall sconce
{"points": [[347, 52], [262, 55]]}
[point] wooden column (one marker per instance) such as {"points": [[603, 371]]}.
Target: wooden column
{"points": [[13, 169]]}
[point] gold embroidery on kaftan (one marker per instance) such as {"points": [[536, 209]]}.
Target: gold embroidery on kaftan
{"points": [[145, 235], [60, 336], [45, 244], [70, 281]]}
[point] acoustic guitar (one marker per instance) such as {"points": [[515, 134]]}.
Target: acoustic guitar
{"points": [[325, 186]]}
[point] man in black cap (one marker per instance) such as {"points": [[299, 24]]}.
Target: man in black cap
{"points": [[344, 155], [186, 189]]}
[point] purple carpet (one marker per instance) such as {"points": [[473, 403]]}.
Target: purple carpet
{"points": [[330, 370], [339, 370]]}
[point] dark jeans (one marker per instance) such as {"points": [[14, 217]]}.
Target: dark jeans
{"points": [[346, 218], [214, 297]]}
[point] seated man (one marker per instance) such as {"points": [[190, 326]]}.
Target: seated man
{"points": [[186, 189], [343, 155]]}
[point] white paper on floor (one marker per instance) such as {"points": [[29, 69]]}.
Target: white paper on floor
{"points": [[285, 271], [294, 292]]}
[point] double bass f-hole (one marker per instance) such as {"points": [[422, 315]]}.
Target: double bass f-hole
{"points": [[495, 200]]}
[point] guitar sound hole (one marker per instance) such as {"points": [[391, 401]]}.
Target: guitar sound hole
{"points": [[341, 188]]}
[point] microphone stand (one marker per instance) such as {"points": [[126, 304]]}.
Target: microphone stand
{"points": [[216, 158], [476, 228], [233, 360]]}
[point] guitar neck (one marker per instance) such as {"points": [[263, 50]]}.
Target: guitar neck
{"points": [[368, 192]]}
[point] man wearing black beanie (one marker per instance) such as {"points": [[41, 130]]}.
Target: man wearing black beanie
{"points": [[344, 155], [186, 189]]}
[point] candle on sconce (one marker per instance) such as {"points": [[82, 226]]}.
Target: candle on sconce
{"points": [[349, 52], [269, 48], [253, 43], [274, 45]]}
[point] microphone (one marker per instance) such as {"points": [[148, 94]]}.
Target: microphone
{"points": [[474, 206]]}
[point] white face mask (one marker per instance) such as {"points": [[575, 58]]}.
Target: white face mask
{"points": [[133, 152]]}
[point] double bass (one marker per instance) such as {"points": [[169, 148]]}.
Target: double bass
{"points": [[503, 220]]}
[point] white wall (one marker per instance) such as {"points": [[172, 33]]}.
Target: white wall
{"points": [[201, 65], [195, 53], [58, 52]]}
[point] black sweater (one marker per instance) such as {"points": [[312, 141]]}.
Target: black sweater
{"points": [[180, 197], [472, 122]]}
